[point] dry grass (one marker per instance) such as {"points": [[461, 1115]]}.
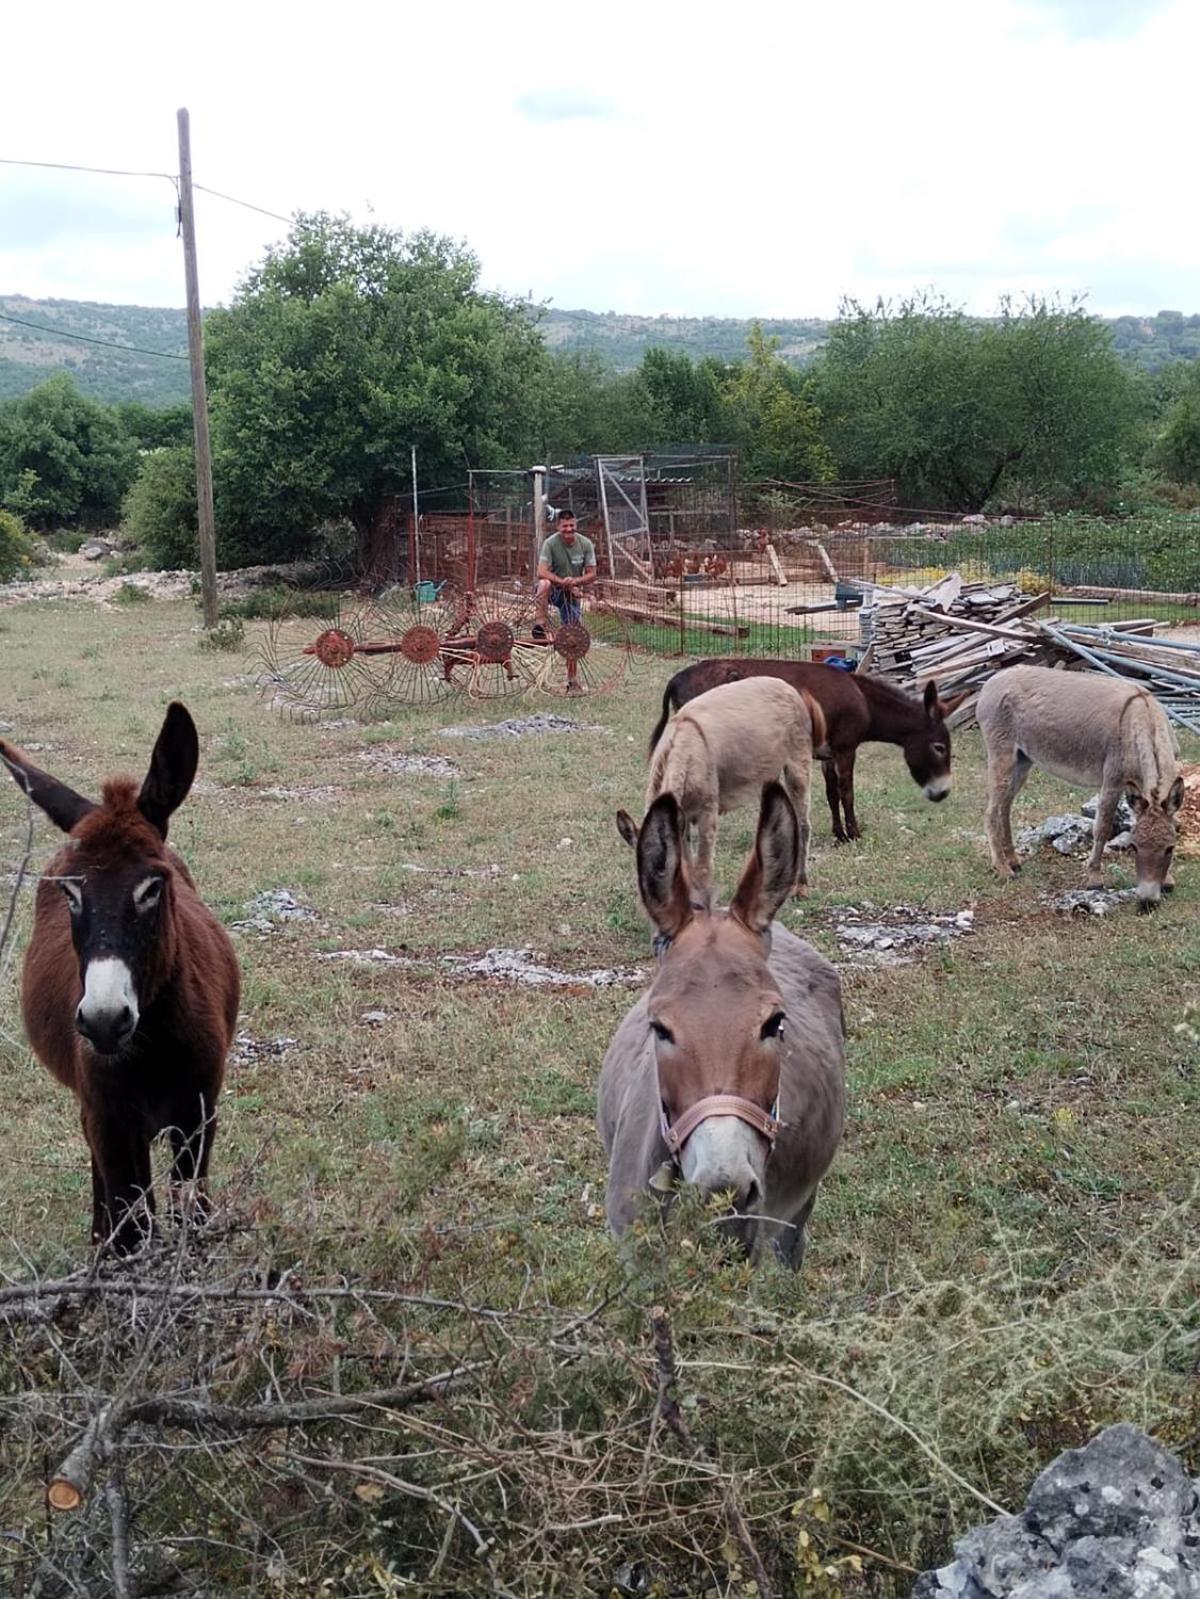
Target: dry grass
{"points": [[1002, 1259]]}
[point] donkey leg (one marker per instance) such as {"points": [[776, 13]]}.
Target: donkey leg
{"points": [[1102, 831], [845, 772], [1001, 773], [833, 795], [706, 844], [124, 1215], [797, 776], [189, 1167], [789, 1244]]}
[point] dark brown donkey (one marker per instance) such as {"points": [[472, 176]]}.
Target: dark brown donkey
{"points": [[130, 989], [858, 709]]}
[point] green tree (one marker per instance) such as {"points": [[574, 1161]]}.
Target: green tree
{"points": [[683, 397], [160, 508], [342, 349], [1031, 404], [768, 417], [152, 427], [64, 459], [1177, 448]]}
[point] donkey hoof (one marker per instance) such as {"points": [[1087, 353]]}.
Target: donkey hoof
{"points": [[800, 891]]}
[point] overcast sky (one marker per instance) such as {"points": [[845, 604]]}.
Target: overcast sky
{"points": [[752, 159]]}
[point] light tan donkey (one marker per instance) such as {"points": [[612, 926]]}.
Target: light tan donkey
{"points": [[722, 749], [729, 1072], [1095, 731]]}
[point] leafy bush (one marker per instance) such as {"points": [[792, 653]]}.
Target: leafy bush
{"points": [[160, 508], [229, 634], [64, 459], [271, 603], [18, 550], [1153, 547], [131, 594]]}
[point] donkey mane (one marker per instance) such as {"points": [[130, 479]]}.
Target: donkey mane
{"points": [[888, 694]]}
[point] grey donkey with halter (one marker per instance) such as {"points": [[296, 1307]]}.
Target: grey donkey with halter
{"points": [[730, 1070], [1095, 731]]}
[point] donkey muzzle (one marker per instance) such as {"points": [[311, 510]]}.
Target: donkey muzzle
{"points": [[107, 1015]]}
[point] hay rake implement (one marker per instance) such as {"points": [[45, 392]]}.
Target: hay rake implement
{"points": [[405, 648]]}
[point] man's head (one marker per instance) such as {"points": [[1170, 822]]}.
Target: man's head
{"points": [[566, 527]]}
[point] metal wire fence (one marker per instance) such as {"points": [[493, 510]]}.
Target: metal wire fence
{"points": [[692, 563]]}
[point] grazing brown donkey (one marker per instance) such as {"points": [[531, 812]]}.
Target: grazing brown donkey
{"points": [[731, 1067], [1098, 732], [722, 748], [858, 709], [130, 988]]}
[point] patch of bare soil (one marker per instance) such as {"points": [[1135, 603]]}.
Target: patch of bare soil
{"points": [[249, 1051], [78, 578], [894, 935], [526, 967], [267, 911], [517, 726], [396, 764], [1089, 901]]}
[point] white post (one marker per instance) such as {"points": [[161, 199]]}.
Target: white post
{"points": [[539, 517]]}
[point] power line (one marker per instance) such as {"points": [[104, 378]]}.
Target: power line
{"points": [[233, 200], [129, 172], [70, 166], [63, 333]]}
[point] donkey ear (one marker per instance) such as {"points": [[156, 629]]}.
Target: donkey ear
{"points": [[931, 699], [662, 874], [172, 768], [1175, 798], [61, 804], [770, 873], [627, 828]]}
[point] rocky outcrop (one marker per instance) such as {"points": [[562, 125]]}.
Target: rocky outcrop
{"points": [[1118, 1519]]}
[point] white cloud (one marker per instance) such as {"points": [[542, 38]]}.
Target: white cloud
{"points": [[645, 158]]}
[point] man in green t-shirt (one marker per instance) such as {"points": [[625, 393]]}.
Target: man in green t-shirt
{"points": [[566, 566]]}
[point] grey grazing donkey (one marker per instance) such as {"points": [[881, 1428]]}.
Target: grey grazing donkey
{"points": [[1094, 731], [730, 1070]]}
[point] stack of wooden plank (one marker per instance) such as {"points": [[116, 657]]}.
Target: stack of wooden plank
{"points": [[961, 633], [957, 632]]}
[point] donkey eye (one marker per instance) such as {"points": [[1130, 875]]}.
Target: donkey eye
{"points": [[73, 896], [773, 1026], [662, 1033], [938, 749], [146, 895]]}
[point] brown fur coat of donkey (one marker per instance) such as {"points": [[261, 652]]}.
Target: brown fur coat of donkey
{"points": [[731, 1066], [130, 985], [1095, 731], [721, 750]]}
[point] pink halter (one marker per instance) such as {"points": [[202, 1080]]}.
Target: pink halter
{"points": [[675, 1136]]}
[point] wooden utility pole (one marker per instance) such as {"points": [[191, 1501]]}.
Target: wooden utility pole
{"points": [[204, 491]]}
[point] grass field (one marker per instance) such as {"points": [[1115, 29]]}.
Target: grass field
{"points": [[1003, 1258]]}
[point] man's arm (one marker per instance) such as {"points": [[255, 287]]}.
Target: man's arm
{"points": [[589, 576]]}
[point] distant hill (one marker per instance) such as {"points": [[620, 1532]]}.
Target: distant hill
{"points": [[29, 355], [623, 340]]}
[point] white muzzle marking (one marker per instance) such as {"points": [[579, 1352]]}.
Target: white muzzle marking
{"points": [[725, 1152], [937, 788], [108, 991]]}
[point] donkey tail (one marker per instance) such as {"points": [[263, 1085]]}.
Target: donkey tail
{"points": [[669, 703], [820, 728]]}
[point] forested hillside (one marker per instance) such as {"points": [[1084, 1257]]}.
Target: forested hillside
{"points": [[29, 355]]}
